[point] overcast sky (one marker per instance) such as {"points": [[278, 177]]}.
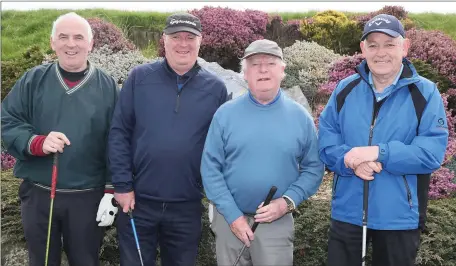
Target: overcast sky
{"points": [[415, 7]]}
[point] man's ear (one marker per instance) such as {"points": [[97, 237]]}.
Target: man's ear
{"points": [[405, 47], [363, 47]]}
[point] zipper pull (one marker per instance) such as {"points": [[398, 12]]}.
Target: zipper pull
{"points": [[409, 196], [176, 109], [371, 132]]}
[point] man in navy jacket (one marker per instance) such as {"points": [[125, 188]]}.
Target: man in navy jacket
{"points": [[155, 145]]}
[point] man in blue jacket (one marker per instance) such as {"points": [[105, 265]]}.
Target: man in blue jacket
{"points": [[155, 144], [385, 125], [259, 140]]}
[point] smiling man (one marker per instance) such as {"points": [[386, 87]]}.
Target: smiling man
{"points": [[259, 140], [385, 125], [156, 141], [63, 107]]}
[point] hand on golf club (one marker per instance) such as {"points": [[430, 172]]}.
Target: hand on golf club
{"points": [[240, 227], [273, 211], [55, 142], [359, 155], [125, 200], [366, 170]]}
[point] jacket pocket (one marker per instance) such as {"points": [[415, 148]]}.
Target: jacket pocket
{"points": [[336, 179], [409, 193]]}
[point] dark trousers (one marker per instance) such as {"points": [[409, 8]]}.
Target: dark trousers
{"points": [[73, 219], [175, 226], [389, 247]]}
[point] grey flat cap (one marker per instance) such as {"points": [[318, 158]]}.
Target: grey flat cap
{"points": [[263, 47]]}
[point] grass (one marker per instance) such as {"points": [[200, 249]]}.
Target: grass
{"points": [[21, 29]]}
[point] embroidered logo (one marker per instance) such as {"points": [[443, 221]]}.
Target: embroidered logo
{"points": [[178, 21], [379, 21]]}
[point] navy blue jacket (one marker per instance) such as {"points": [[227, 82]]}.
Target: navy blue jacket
{"points": [[393, 194], [158, 132]]}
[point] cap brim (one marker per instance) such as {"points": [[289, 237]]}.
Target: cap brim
{"points": [[172, 30], [261, 52], [388, 32]]}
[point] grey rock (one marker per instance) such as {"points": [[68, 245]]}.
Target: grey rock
{"points": [[296, 94]]}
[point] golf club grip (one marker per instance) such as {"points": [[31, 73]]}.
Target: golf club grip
{"points": [[54, 174], [268, 199]]}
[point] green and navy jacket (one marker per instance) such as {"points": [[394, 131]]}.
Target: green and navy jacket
{"points": [[41, 102]]}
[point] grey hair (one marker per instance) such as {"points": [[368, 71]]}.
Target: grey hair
{"points": [[243, 64], [400, 38], [72, 15]]}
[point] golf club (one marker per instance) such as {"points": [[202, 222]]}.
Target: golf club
{"points": [[53, 187], [255, 224], [365, 206], [135, 235]]}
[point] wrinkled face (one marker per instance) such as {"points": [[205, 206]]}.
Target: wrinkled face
{"points": [[264, 73], [181, 49], [384, 54], [71, 44]]}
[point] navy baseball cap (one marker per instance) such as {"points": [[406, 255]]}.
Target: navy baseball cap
{"points": [[383, 23]]}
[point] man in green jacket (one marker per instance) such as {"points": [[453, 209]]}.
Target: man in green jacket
{"points": [[63, 107]]}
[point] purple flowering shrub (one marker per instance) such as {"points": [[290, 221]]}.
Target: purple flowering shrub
{"points": [[435, 48], [283, 34], [105, 33], [8, 161], [226, 34], [397, 11]]}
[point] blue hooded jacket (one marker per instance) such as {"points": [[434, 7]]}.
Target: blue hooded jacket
{"points": [[393, 203]]}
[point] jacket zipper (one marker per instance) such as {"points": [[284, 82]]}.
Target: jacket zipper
{"points": [[176, 108], [409, 194]]}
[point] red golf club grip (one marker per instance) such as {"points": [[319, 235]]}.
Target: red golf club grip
{"points": [[54, 174], [268, 199]]}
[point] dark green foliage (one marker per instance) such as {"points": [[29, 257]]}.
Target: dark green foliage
{"points": [[12, 70], [428, 71]]}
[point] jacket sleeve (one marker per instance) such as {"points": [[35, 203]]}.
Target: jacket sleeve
{"points": [[17, 130], [212, 163], [120, 138], [310, 167], [114, 93], [332, 148], [426, 152]]}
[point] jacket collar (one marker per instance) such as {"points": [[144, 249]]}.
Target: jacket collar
{"points": [[409, 74], [170, 72]]}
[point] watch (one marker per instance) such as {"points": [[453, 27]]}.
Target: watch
{"points": [[290, 205]]}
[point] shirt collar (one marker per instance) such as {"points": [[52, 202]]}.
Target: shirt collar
{"points": [[272, 102], [371, 80]]}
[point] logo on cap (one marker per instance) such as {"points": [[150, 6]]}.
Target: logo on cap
{"points": [[176, 21], [379, 21]]}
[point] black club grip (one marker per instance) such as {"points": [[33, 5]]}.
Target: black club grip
{"points": [[268, 199]]}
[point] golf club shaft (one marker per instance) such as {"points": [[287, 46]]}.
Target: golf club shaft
{"points": [[136, 236], [51, 208], [365, 209], [268, 199]]}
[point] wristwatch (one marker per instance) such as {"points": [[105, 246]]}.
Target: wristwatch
{"points": [[290, 205]]}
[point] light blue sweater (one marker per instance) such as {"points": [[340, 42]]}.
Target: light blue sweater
{"points": [[251, 147]]}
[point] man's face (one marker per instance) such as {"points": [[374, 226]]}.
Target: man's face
{"points": [[264, 73], [384, 54], [182, 48], [71, 44]]}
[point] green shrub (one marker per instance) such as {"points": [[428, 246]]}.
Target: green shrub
{"points": [[333, 30], [12, 70], [428, 71], [311, 231], [307, 66]]}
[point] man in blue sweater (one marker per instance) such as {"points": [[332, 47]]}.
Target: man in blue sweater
{"points": [[259, 140], [155, 144]]}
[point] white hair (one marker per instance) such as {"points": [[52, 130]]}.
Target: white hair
{"points": [[400, 38], [243, 64], [76, 16]]}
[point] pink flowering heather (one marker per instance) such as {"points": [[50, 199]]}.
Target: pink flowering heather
{"points": [[442, 185], [339, 70], [436, 48], [8, 161], [105, 33]]}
